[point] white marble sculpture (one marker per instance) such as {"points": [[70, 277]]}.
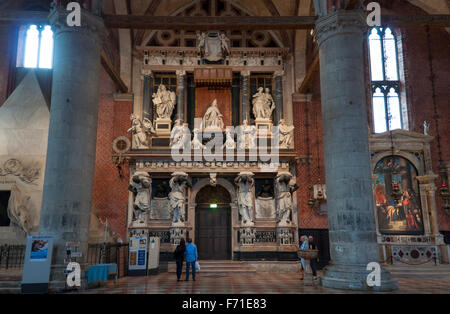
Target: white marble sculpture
{"points": [[285, 134], [196, 143], [140, 131], [213, 119], [213, 46], [140, 186], [426, 128], [164, 101], [244, 182], [180, 135], [178, 184], [247, 136], [19, 208], [229, 142], [284, 187], [263, 104], [247, 236]]}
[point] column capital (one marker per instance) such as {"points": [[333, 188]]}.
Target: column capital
{"points": [[90, 24], [146, 72], [180, 72], [340, 21], [245, 73], [278, 73]]}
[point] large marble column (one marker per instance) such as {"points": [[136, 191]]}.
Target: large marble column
{"points": [[278, 96], [181, 88], [351, 218], [147, 105], [67, 195], [245, 95]]}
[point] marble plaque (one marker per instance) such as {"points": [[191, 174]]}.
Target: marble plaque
{"points": [[265, 208], [163, 235], [266, 237], [159, 209]]}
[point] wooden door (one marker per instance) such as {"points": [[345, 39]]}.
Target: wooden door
{"points": [[213, 232]]}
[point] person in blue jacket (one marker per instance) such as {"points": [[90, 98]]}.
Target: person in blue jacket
{"points": [[191, 258]]}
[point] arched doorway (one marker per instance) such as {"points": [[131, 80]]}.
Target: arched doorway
{"points": [[213, 223]]}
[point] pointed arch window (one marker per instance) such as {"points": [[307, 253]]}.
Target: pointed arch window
{"points": [[35, 47], [385, 79]]}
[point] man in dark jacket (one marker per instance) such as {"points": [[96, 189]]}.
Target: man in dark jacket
{"points": [[313, 261]]}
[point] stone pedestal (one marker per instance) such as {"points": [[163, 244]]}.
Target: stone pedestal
{"points": [[69, 173], [163, 127], [264, 127], [351, 221]]}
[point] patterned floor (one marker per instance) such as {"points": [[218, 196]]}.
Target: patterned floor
{"points": [[425, 280]]}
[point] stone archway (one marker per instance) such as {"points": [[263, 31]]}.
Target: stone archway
{"points": [[213, 227]]}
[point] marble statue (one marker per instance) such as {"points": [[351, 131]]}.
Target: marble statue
{"points": [[180, 135], [426, 128], [225, 43], [213, 46], [140, 186], [247, 136], [178, 184], [229, 142], [140, 131], [284, 189], [164, 101], [244, 182], [19, 210], [196, 143], [213, 119], [263, 104], [213, 179], [285, 134]]}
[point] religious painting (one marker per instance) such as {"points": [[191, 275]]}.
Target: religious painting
{"points": [[404, 215]]}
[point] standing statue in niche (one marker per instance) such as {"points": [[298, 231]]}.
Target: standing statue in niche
{"points": [[426, 128], [284, 189], [213, 119], [180, 135], [247, 136], [164, 101], [178, 185], [140, 186], [196, 143], [263, 104], [244, 182], [285, 134], [140, 131]]}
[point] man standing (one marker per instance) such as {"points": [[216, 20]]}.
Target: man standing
{"points": [[191, 258]]}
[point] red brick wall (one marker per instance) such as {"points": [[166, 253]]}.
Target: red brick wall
{"points": [[110, 195], [309, 142]]}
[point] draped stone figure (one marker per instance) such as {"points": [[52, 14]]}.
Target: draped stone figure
{"points": [[285, 134], [244, 182], [213, 119], [247, 136], [214, 46], [164, 101], [284, 187], [178, 184], [263, 104], [19, 207], [180, 135], [140, 186], [140, 131]]}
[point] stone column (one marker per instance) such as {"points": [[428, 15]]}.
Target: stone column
{"points": [[351, 216], [278, 96], [67, 195], [245, 96], [147, 103], [181, 88]]}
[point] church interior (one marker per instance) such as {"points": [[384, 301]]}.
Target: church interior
{"points": [[243, 125]]}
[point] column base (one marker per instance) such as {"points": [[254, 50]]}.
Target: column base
{"points": [[354, 277]]}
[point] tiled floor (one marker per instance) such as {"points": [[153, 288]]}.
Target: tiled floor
{"points": [[425, 280]]}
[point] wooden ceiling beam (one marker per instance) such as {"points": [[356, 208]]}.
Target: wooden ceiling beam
{"points": [[149, 12], [274, 11]]}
